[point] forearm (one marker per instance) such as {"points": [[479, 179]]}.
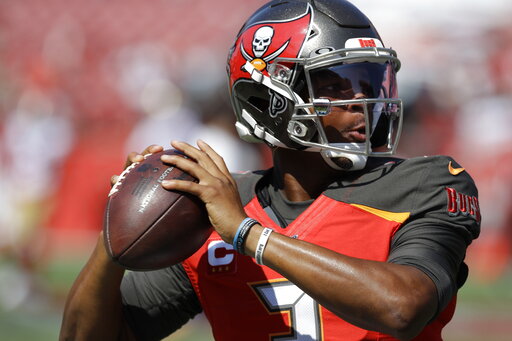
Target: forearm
{"points": [[384, 297], [93, 307]]}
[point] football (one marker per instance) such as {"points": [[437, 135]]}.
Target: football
{"points": [[147, 227]]}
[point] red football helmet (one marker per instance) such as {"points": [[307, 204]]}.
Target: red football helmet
{"points": [[294, 61]]}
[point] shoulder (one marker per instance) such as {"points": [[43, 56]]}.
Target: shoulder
{"points": [[439, 176], [450, 194], [435, 171], [409, 177], [444, 165], [434, 185]]}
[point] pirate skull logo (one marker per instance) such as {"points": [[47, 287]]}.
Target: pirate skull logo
{"points": [[261, 41]]}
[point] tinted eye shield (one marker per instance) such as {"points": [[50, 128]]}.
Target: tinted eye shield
{"points": [[337, 75], [350, 81]]}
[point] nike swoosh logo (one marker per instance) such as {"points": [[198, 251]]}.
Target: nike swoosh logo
{"points": [[454, 171]]}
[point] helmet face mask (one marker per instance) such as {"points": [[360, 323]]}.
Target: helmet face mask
{"points": [[310, 70], [367, 87]]}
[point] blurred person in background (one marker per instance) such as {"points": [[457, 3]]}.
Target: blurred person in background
{"points": [[482, 127], [358, 244], [461, 108], [39, 124], [194, 108], [138, 95]]}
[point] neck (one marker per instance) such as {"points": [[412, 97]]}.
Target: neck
{"points": [[302, 175]]}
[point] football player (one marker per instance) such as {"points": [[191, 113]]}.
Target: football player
{"points": [[339, 240]]}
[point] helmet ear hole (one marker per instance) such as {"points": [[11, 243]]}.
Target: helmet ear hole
{"points": [[259, 103]]}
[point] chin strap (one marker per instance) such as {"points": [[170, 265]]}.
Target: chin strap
{"points": [[357, 161]]}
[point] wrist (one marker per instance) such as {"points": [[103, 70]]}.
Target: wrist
{"points": [[262, 244], [251, 240], [103, 257], [241, 233]]}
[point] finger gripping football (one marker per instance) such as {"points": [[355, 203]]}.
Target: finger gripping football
{"points": [[147, 227]]}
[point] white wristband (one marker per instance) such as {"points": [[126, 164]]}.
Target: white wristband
{"points": [[262, 243]]}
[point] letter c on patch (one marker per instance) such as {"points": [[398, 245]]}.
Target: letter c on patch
{"points": [[220, 253]]}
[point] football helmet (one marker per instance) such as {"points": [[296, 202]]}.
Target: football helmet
{"points": [[295, 64]]}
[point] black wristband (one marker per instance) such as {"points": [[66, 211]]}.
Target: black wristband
{"points": [[242, 232]]}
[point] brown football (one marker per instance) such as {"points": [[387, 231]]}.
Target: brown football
{"points": [[147, 227]]}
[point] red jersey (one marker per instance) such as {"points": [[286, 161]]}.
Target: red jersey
{"points": [[266, 306], [397, 211]]}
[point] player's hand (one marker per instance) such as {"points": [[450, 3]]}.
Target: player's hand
{"points": [[136, 157], [215, 187]]}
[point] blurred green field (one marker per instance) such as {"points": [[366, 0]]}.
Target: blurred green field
{"points": [[39, 316], [484, 311]]}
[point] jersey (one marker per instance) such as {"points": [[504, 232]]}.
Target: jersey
{"points": [[380, 214]]}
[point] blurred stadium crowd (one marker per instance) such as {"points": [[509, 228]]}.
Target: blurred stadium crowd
{"points": [[82, 83]]}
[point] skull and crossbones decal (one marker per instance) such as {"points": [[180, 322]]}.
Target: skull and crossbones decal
{"points": [[262, 40]]}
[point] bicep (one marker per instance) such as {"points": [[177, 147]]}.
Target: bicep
{"points": [[437, 250], [156, 303]]}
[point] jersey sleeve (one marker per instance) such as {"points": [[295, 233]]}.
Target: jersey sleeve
{"points": [[157, 303], [444, 221]]}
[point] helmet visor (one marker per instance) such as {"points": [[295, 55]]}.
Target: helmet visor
{"points": [[351, 81]]}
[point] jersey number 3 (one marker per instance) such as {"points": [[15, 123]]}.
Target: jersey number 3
{"points": [[284, 296]]}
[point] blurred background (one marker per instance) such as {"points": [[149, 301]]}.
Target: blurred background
{"points": [[82, 83]]}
